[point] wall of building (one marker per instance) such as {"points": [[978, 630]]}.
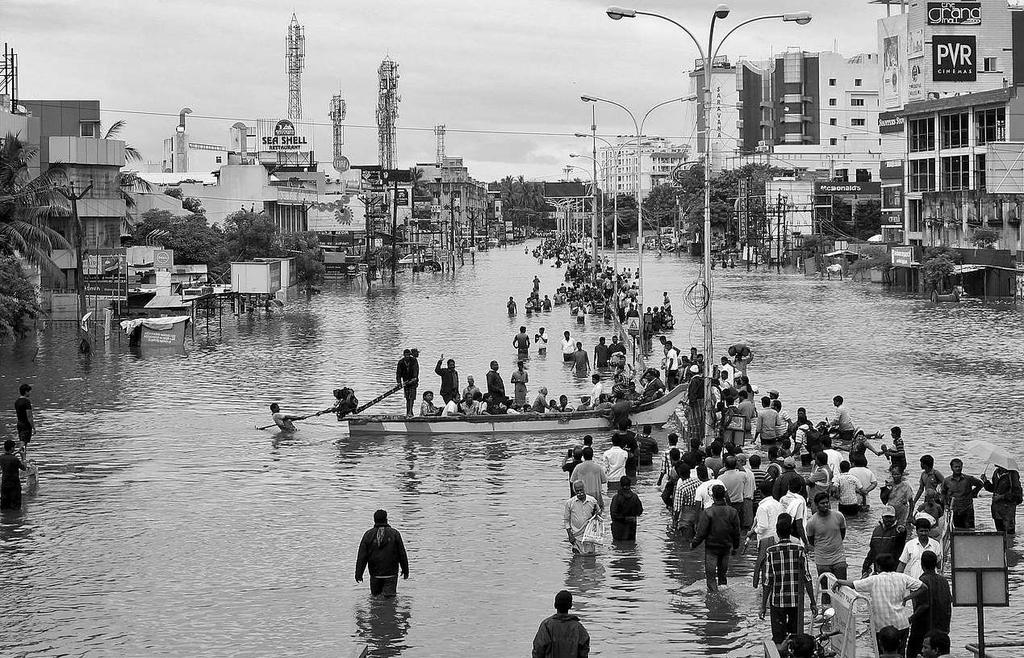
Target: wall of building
{"points": [[725, 112], [618, 164], [67, 118]]}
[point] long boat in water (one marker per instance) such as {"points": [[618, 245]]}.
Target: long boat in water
{"points": [[656, 413]]}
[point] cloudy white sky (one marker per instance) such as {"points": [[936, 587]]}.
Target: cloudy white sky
{"points": [[469, 64]]}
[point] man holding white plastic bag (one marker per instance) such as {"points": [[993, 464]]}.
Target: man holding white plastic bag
{"points": [[580, 511]]}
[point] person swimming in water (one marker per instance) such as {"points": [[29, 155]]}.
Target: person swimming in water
{"points": [[283, 420]]}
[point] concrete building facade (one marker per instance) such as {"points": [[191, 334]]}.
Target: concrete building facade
{"points": [[806, 111], [658, 158]]}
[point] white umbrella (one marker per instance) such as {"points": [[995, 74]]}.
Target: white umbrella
{"points": [[876, 239], [992, 454]]}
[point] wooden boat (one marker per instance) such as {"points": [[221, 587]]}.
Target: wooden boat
{"points": [[654, 413]]}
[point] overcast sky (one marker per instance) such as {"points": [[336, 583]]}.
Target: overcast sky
{"points": [[469, 64]]}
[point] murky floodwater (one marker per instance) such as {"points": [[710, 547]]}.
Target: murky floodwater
{"points": [[165, 524]]}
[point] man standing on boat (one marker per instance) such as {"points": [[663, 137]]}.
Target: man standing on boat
{"points": [[449, 380], [406, 374], [383, 551], [495, 384]]}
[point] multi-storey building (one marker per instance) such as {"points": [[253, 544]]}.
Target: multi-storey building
{"points": [[658, 157], [949, 132], [809, 112]]}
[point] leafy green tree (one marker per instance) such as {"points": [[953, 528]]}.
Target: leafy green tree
{"points": [[660, 207], [18, 302], [193, 240], [309, 261], [867, 219], [249, 235], [984, 238], [27, 203]]}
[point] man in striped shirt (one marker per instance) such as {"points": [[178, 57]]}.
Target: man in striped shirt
{"points": [[888, 592], [684, 503]]}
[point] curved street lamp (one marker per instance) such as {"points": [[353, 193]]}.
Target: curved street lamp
{"points": [[708, 55]]}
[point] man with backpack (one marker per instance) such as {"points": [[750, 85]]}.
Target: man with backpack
{"points": [[1006, 495]]}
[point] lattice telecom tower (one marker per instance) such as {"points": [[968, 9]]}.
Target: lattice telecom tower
{"points": [[439, 136], [387, 112], [295, 53], [337, 114]]}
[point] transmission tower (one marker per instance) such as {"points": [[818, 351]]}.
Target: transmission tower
{"points": [[439, 135], [295, 54], [337, 115], [387, 112]]}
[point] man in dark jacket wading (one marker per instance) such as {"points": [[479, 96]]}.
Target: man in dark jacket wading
{"points": [[561, 635], [383, 551]]}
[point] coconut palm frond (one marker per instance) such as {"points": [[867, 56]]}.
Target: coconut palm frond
{"points": [[114, 131], [131, 154]]}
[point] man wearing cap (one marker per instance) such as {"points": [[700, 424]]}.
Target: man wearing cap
{"points": [[789, 474], [910, 558], [887, 537], [561, 635], [383, 551], [576, 515]]}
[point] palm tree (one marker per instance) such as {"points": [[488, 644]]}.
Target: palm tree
{"points": [[27, 203], [128, 181]]}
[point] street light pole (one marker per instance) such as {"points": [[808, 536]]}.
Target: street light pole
{"points": [[639, 127], [593, 227], [707, 56]]}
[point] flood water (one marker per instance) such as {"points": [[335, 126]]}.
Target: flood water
{"points": [[165, 524]]}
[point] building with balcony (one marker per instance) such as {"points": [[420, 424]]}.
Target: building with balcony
{"points": [[963, 168], [810, 112]]}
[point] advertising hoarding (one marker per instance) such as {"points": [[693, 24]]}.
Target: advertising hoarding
{"points": [[954, 13], [954, 58], [283, 135], [891, 71], [866, 188]]}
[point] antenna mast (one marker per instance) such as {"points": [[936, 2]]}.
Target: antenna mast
{"points": [[295, 54], [337, 115], [387, 112]]}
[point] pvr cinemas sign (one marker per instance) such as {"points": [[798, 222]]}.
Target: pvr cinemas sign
{"points": [[284, 138], [954, 13], [954, 58]]}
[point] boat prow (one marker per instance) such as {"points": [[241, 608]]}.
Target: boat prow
{"points": [[655, 413]]}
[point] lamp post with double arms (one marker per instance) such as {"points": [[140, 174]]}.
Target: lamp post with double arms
{"points": [[708, 55], [639, 127]]}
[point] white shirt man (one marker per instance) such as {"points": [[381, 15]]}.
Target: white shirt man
{"points": [[568, 346], [867, 479], [703, 493], [834, 459], [767, 514], [451, 408], [595, 395], [615, 463]]}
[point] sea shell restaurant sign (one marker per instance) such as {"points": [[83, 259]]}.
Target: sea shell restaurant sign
{"points": [[283, 138], [954, 13]]}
